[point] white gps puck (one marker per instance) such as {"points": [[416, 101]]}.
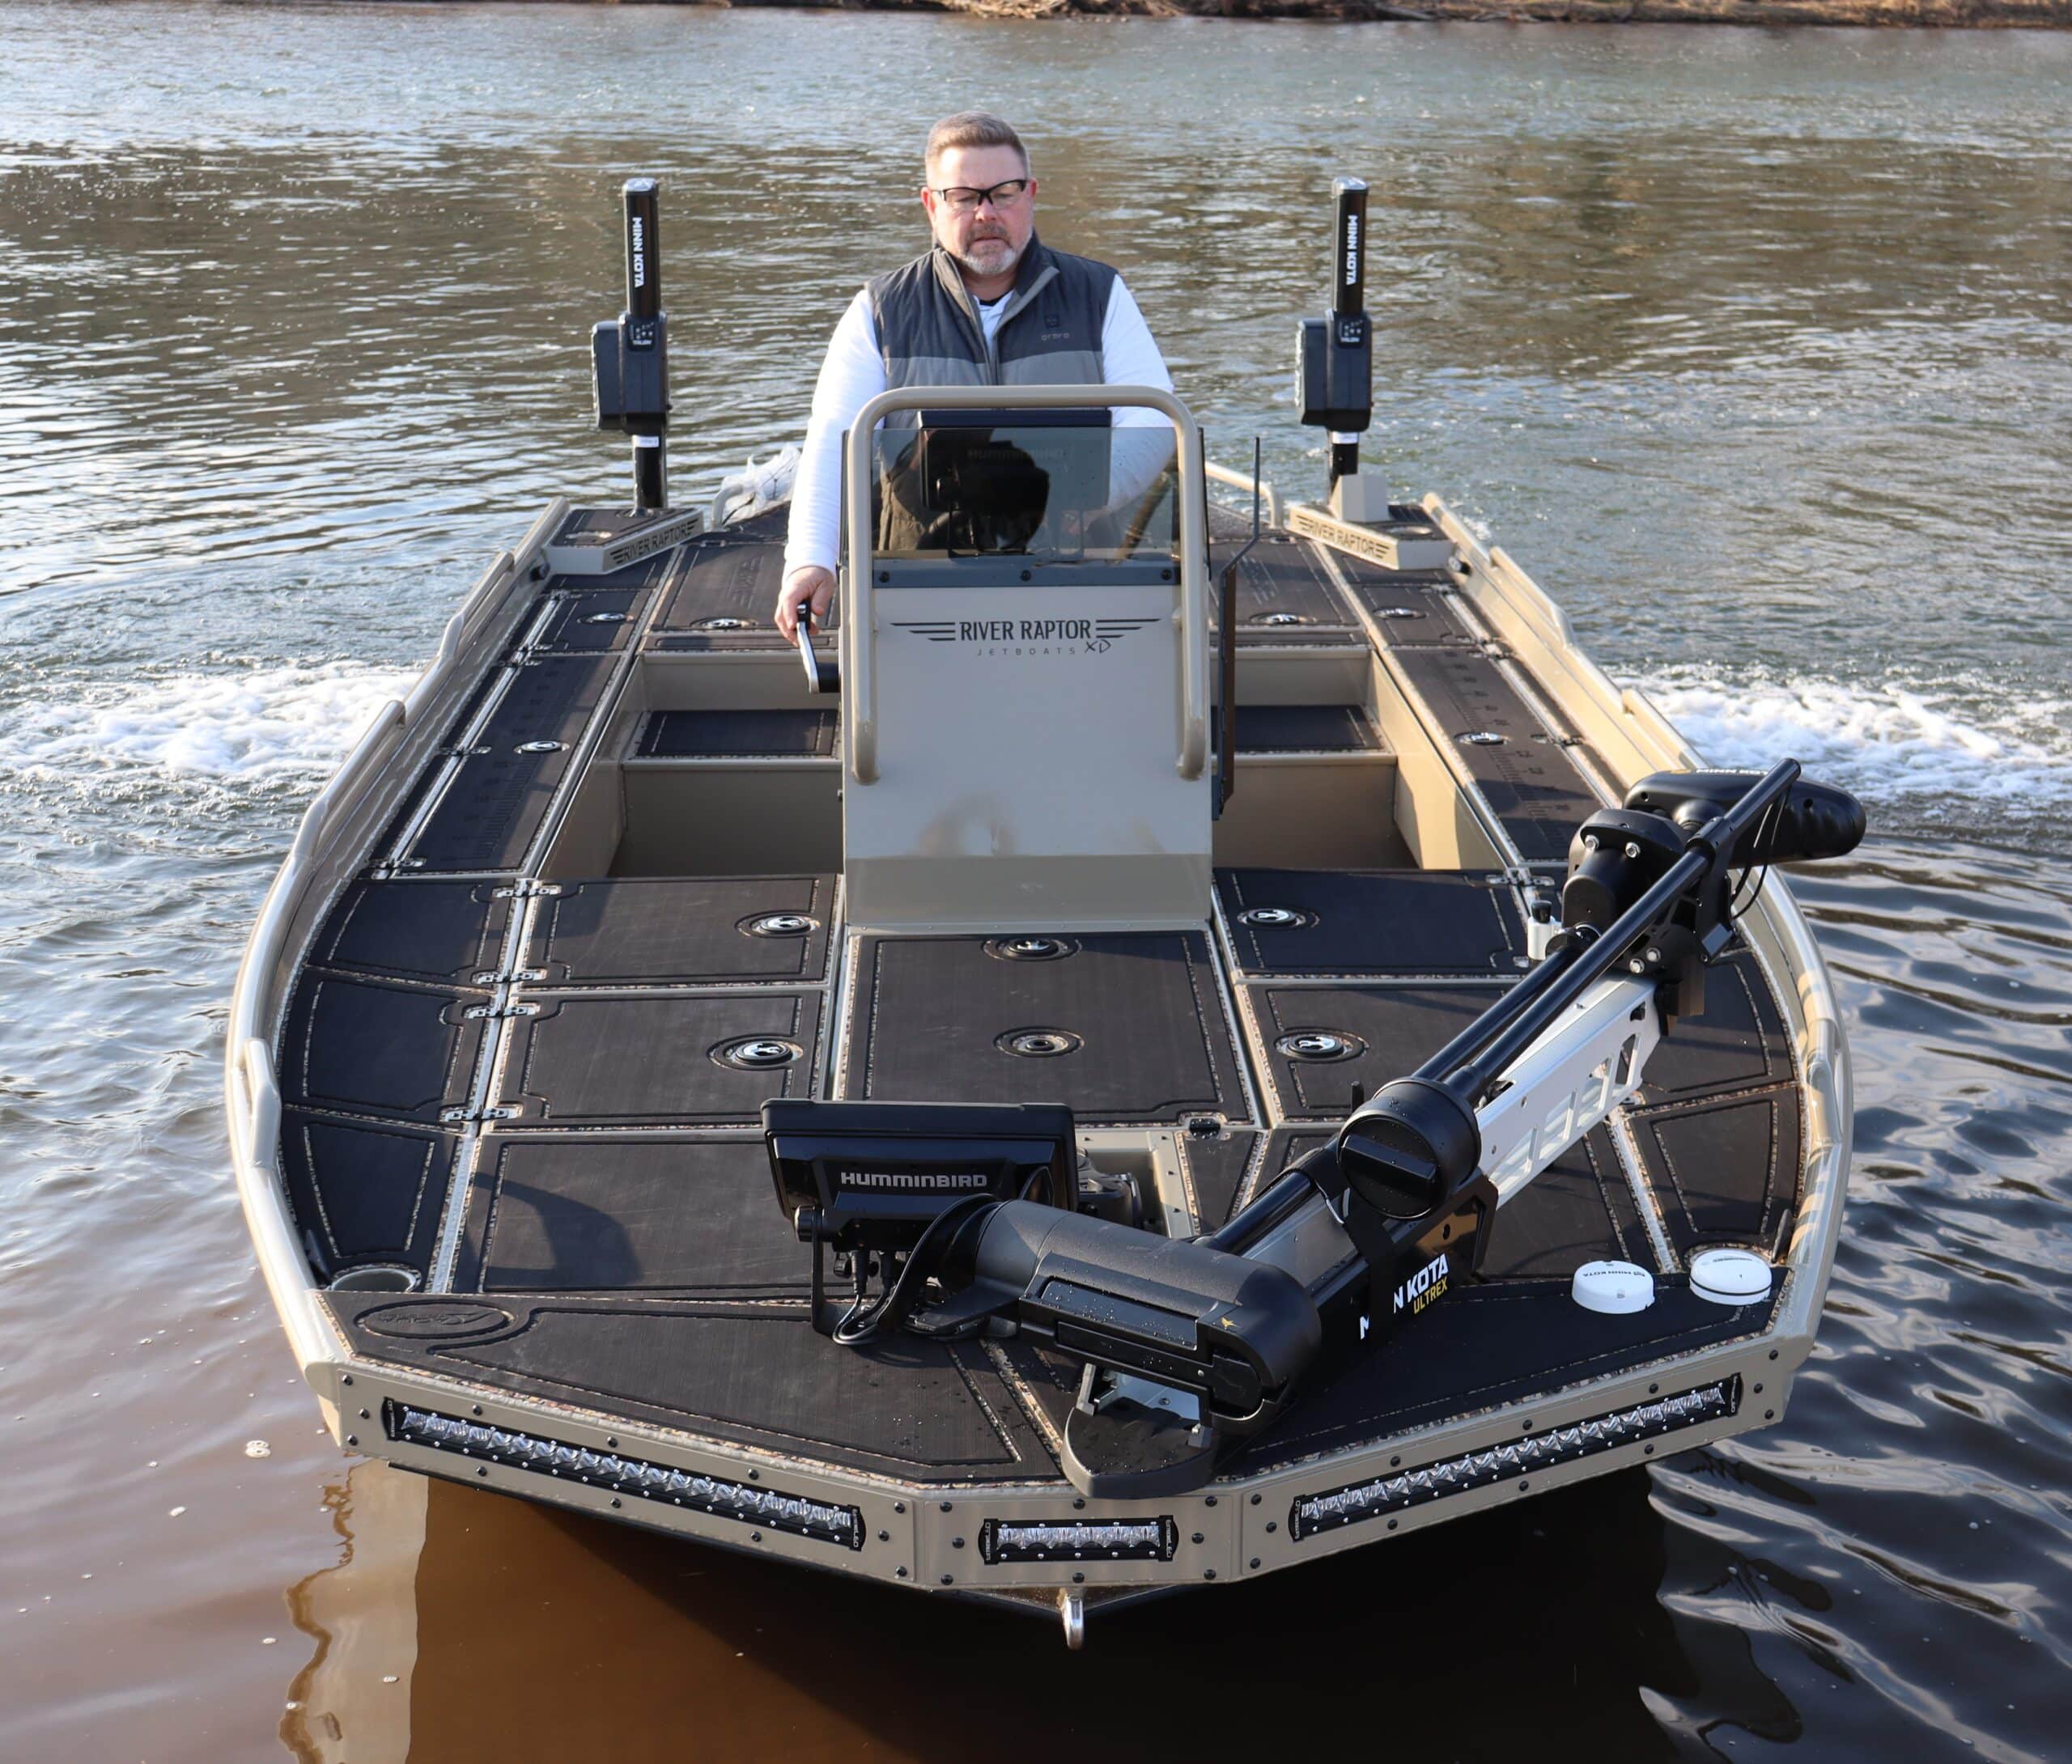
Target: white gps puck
{"points": [[1616, 1288], [1730, 1277]]}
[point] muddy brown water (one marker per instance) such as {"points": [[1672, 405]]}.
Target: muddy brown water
{"points": [[1755, 347]]}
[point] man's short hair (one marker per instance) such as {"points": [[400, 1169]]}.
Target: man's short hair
{"points": [[972, 128]]}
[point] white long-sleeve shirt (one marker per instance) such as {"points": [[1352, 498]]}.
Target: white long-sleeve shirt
{"points": [[854, 374]]}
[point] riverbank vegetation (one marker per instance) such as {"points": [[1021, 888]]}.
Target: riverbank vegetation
{"points": [[2047, 14]]}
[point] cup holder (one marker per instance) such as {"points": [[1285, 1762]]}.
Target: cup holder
{"points": [[378, 1277]]}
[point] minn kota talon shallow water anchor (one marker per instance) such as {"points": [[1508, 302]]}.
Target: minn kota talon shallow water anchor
{"points": [[1335, 374], [1188, 1346], [629, 369], [630, 357]]}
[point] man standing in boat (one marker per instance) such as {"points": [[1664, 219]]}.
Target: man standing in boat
{"points": [[989, 304]]}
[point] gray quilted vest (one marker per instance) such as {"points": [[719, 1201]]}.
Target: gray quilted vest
{"points": [[929, 334]]}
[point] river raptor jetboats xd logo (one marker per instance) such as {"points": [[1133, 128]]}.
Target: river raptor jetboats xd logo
{"points": [[1028, 637]]}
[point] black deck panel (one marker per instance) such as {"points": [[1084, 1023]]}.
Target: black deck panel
{"points": [[1381, 922], [582, 1212], [1280, 579], [662, 931], [1738, 1042], [1498, 1342], [1579, 1208], [368, 1047], [1215, 1166], [685, 735], [727, 590], [1155, 1043], [1305, 728], [1397, 1029], [1528, 781], [1415, 607], [364, 1192], [619, 1062], [442, 933], [1724, 1169], [490, 811], [583, 624], [756, 1375]]}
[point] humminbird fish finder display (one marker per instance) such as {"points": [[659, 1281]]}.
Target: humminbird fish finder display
{"points": [[1054, 486]]}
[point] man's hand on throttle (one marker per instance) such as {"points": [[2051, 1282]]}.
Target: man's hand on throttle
{"points": [[808, 583]]}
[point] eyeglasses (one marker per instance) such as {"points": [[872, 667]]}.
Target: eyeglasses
{"points": [[962, 198]]}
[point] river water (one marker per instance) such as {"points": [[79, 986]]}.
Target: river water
{"points": [[1755, 347]]}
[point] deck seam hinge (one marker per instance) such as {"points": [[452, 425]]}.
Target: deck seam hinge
{"points": [[492, 1013], [465, 1117], [506, 976], [526, 891]]}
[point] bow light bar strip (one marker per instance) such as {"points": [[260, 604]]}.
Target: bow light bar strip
{"points": [[1314, 1513], [1145, 1539], [713, 1494]]}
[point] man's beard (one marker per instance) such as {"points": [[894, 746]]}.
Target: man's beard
{"points": [[999, 257]]}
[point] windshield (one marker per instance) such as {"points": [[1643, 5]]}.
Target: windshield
{"points": [[1023, 483]]}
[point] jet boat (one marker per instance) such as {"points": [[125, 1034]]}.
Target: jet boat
{"points": [[1188, 1032]]}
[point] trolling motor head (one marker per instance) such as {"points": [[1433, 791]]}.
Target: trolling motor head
{"points": [[1737, 820], [630, 357]]}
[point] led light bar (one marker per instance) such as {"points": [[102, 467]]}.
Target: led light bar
{"points": [[745, 1502], [1100, 1540], [1314, 1513]]}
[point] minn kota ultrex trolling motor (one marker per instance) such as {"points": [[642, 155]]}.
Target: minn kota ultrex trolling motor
{"points": [[953, 1219], [975, 1217]]}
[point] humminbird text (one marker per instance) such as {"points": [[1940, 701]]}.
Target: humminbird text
{"points": [[911, 1179]]}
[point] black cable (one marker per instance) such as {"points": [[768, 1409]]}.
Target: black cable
{"points": [[1737, 909], [862, 1322]]}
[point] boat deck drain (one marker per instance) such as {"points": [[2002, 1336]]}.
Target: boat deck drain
{"points": [[1320, 1045], [776, 925], [757, 1053], [1276, 919], [1037, 1044], [1030, 948]]}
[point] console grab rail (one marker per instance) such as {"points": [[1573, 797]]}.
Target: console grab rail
{"points": [[859, 631]]}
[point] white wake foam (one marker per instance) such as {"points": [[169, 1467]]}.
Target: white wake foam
{"points": [[258, 725], [1885, 741]]}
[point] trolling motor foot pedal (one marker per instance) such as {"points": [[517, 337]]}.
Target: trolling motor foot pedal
{"points": [[1128, 1439]]}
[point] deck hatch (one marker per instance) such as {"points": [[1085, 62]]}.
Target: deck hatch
{"points": [[1380, 922], [798, 1514], [1143, 1034], [1310, 1514]]}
